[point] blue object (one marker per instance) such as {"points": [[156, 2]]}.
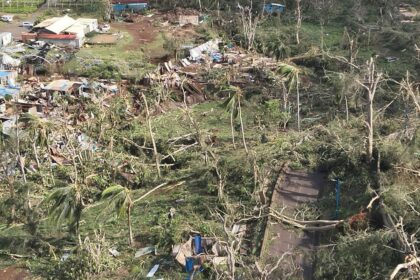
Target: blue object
{"points": [[217, 57], [189, 265], [132, 7], [272, 8], [337, 197], [8, 91], [197, 244]]}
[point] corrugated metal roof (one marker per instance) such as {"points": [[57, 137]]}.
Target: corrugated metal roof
{"points": [[60, 85], [46, 22], [77, 29], [61, 24]]}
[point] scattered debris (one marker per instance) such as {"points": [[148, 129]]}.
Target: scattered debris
{"points": [[188, 19], [152, 271], [391, 59], [65, 256], [113, 251], [206, 48], [144, 251]]}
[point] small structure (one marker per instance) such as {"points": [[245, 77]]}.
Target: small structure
{"points": [[188, 19], [62, 31], [5, 39], [64, 86], [27, 107], [274, 8], [89, 24], [120, 6], [7, 62]]}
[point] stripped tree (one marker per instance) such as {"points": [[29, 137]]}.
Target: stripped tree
{"points": [[370, 83], [249, 24]]}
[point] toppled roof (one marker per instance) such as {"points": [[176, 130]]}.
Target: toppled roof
{"points": [[56, 25], [61, 85], [46, 22]]}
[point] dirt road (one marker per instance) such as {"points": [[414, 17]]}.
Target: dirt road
{"points": [[293, 189], [14, 26]]}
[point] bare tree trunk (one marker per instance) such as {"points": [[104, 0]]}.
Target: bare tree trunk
{"points": [[298, 21], [232, 129], [298, 100], [370, 129], [130, 230], [35, 154], [149, 124], [372, 79], [347, 108], [249, 25], [242, 125]]}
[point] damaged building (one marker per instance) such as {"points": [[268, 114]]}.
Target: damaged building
{"points": [[62, 31]]}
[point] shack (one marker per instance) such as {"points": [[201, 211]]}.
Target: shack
{"points": [[64, 87], [5, 39], [274, 8], [89, 24], [120, 6]]}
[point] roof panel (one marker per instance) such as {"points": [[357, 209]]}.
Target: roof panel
{"points": [[61, 24]]}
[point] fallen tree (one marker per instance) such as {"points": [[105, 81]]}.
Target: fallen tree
{"points": [[314, 225]]}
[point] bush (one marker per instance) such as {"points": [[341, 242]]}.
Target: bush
{"points": [[357, 256], [91, 258]]}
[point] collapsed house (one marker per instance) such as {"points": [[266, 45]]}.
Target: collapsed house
{"points": [[62, 31], [207, 48], [64, 87]]}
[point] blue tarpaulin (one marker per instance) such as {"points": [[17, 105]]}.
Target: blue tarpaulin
{"points": [[134, 7], [8, 91], [272, 8], [5, 74]]}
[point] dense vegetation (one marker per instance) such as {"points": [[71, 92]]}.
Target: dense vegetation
{"points": [[333, 103]]}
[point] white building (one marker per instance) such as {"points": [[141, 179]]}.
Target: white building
{"points": [[5, 38], [90, 24]]}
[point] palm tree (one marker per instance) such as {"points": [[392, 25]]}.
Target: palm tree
{"points": [[67, 205], [291, 73], [233, 105], [120, 199]]}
